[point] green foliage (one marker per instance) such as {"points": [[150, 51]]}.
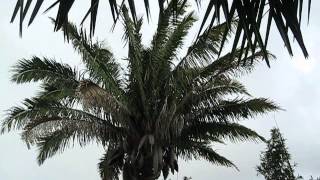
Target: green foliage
{"points": [[286, 15], [163, 107], [275, 161], [46, 70]]}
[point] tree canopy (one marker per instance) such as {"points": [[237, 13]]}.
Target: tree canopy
{"points": [[275, 161], [161, 107]]}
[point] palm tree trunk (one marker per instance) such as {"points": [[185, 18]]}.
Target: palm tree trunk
{"points": [[131, 172], [128, 176]]}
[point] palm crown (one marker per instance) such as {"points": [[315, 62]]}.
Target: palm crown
{"points": [[161, 108]]}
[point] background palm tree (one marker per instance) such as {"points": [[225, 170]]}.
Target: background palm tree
{"points": [[159, 108], [286, 15]]}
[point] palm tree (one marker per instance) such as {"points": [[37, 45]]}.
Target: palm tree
{"points": [[159, 108], [285, 14]]}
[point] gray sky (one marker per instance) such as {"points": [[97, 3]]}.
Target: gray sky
{"points": [[291, 82]]}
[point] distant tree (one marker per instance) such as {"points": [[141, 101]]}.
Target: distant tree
{"points": [[275, 161], [311, 178]]}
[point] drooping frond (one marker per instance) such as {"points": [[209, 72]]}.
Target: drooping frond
{"points": [[207, 153], [222, 86], [197, 150], [250, 13], [285, 14], [54, 127], [219, 130], [53, 143], [229, 64], [111, 164], [60, 116], [19, 116], [40, 116], [37, 69], [208, 91], [234, 110], [246, 108], [188, 74], [59, 81], [66, 136]]}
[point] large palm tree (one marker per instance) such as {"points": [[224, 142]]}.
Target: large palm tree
{"points": [[161, 107]]}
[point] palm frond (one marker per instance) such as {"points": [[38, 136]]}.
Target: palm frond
{"points": [[211, 130], [111, 164], [227, 66], [58, 140], [164, 57], [165, 23], [19, 116], [37, 69], [52, 144], [133, 36], [209, 90], [230, 64], [250, 13], [198, 150], [38, 111], [236, 109], [176, 37], [207, 153], [58, 91], [223, 86], [206, 47], [286, 15], [58, 116], [54, 129], [99, 60]]}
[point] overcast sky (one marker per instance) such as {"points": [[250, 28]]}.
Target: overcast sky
{"points": [[291, 82]]}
